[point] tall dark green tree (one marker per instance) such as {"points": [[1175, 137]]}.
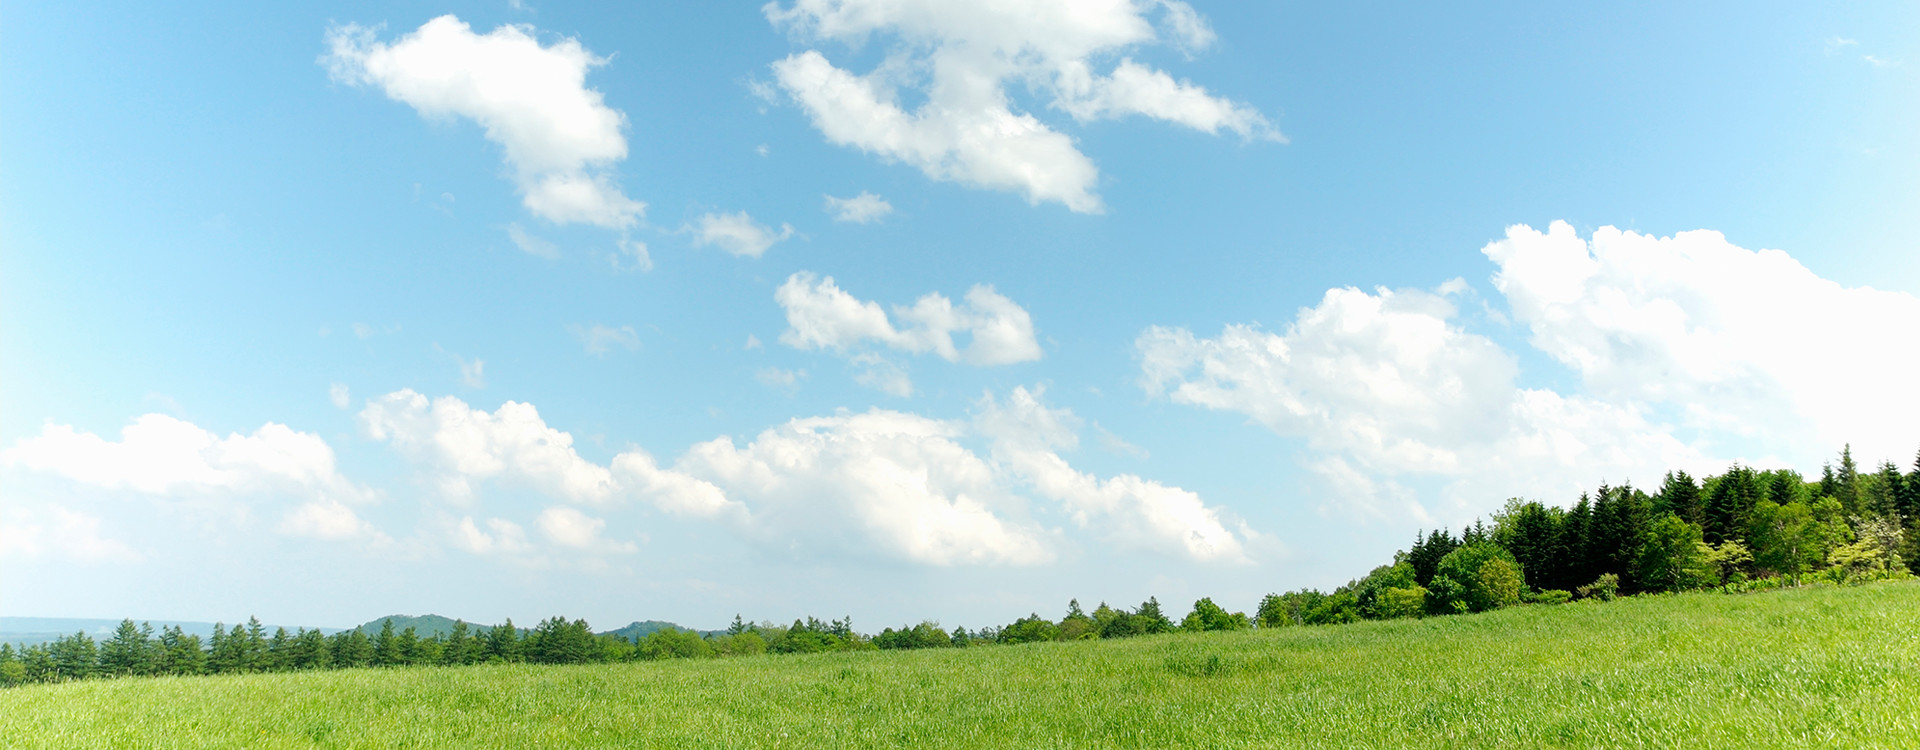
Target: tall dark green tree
{"points": [[1426, 553], [1786, 486], [1730, 500], [1576, 535], [1882, 495], [386, 646], [1846, 487], [1531, 531], [1680, 495], [129, 652]]}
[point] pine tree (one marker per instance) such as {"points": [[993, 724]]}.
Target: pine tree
{"points": [[1576, 537], [386, 646], [503, 642], [129, 652], [1847, 482], [1882, 495], [1426, 553], [1910, 492], [1786, 487], [1730, 501], [1681, 496]]}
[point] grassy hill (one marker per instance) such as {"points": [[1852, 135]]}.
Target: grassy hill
{"points": [[1831, 667]]}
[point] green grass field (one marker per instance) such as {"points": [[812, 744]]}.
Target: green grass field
{"points": [[1831, 667]]}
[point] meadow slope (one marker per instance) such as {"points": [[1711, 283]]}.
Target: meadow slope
{"points": [[1803, 668]]}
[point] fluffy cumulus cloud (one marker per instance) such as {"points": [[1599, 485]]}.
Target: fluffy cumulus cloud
{"points": [[464, 446], [1734, 340], [865, 208], [963, 62], [821, 315], [560, 138], [1684, 346], [1388, 387], [737, 233], [881, 485], [1138, 512], [161, 455]]}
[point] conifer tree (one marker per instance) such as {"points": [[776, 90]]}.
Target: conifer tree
{"points": [[128, 652], [1847, 482], [386, 646], [1730, 501], [1680, 496]]}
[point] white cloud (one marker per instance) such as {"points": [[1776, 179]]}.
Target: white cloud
{"points": [[165, 456], [338, 394], [864, 208], [1689, 351], [464, 445], [880, 482], [1388, 386], [600, 339], [777, 378], [753, 342], [56, 533], [326, 519], [882, 374], [468, 444], [1718, 334], [560, 137], [506, 537], [820, 315], [569, 527], [473, 372], [631, 255], [737, 234], [531, 244], [1130, 510], [961, 59]]}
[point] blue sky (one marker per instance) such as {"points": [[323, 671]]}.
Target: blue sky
{"points": [[330, 312]]}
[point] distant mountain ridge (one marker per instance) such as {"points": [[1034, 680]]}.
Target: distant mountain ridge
{"points": [[27, 631], [432, 625]]}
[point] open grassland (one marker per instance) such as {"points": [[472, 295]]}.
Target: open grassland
{"points": [[1832, 667]]}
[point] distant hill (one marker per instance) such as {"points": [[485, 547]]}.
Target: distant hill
{"points": [[642, 629], [27, 631], [423, 626], [430, 625]]}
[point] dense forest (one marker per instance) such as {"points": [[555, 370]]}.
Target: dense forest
{"points": [[1743, 530]]}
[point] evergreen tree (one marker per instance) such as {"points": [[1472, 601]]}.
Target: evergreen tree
{"points": [[129, 652], [1883, 494], [1576, 567], [1730, 499], [1426, 553], [459, 647], [1909, 501], [350, 649], [277, 656], [1152, 619], [182, 654], [74, 657], [1786, 486], [1531, 532], [1680, 496], [386, 645], [503, 643], [1847, 482]]}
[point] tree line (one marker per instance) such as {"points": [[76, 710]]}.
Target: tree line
{"points": [[1743, 530]]}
